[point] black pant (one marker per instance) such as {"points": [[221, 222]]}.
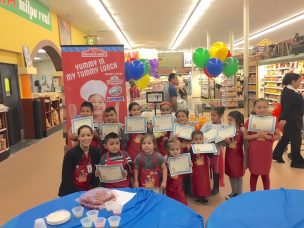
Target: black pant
{"points": [[292, 135]]}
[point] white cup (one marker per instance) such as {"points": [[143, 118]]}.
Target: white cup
{"points": [[117, 209], [77, 211], [86, 222], [93, 214], [100, 222], [114, 221], [40, 223]]}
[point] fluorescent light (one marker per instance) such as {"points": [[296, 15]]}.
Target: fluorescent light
{"points": [[105, 16], [37, 58], [41, 51], [272, 28], [197, 11]]}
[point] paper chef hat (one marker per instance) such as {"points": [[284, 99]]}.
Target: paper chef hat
{"points": [[93, 87]]}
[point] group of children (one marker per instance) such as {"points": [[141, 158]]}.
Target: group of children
{"points": [[144, 156]]}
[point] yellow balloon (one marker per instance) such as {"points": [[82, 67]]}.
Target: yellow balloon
{"points": [[143, 82], [219, 50]]}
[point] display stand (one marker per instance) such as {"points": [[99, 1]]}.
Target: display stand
{"points": [[4, 142], [154, 98]]}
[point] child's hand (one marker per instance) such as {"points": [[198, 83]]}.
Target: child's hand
{"points": [[96, 173], [163, 185], [136, 184], [123, 127], [125, 173]]}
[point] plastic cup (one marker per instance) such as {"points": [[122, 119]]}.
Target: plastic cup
{"points": [[117, 209], [100, 222], [114, 221], [86, 222], [40, 223], [93, 215], [77, 211], [110, 205]]}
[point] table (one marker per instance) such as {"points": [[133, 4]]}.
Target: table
{"points": [[146, 209], [283, 208]]}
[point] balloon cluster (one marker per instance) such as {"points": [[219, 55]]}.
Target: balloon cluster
{"points": [[140, 71], [215, 61]]}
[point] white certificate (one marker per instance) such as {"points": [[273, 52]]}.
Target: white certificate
{"points": [[262, 123], [162, 123], [111, 173], [206, 148], [180, 164], [210, 135], [108, 128], [183, 131], [225, 133], [78, 122], [136, 125]]}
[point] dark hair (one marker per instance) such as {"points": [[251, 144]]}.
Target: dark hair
{"points": [[256, 101], [196, 133], [147, 136], [82, 127], [289, 77], [87, 104], [219, 110], [182, 110], [110, 109], [109, 136], [239, 117], [131, 105], [171, 77], [172, 140]]}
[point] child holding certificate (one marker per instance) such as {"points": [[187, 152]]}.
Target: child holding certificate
{"points": [[174, 188], [150, 167], [115, 156], [216, 122], [234, 157], [260, 148]]}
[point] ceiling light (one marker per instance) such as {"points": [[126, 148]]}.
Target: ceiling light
{"points": [[105, 15], [41, 51], [197, 11], [37, 58], [272, 28]]}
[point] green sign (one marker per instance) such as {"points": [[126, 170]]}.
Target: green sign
{"points": [[31, 10]]}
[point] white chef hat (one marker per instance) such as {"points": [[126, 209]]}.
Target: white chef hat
{"points": [[93, 87]]}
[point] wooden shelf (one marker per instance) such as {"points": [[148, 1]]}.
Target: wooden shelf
{"points": [[272, 94], [271, 87], [278, 82], [251, 91]]}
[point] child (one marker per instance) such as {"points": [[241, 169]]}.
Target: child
{"points": [[116, 156], [200, 175], [174, 188], [260, 148], [234, 158], [150, 168], [216, 122]]}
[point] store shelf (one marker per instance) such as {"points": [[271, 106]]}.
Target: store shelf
{"points": [[251, 91], [269, 87], [252, 72], [251, 83], [275, 75], [274, 82], [3, 129], [272, 99], [272, 93]]}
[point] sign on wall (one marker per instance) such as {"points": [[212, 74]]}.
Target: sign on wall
{"points": [[31, 10], [187, 59]]}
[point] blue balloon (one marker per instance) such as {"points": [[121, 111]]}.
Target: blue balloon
{"points": [[137, 69], [214, 67], [128, 72]]}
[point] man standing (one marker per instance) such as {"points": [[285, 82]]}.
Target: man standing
{"points": [[170, 92]]}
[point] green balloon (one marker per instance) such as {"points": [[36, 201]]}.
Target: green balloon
{"points": [[231, 66], [147, 65], [200, 57]]}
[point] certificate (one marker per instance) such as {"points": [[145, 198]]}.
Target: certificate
{"points": [[183, 131], [262, 123], [162, 123], [225, 133], [206, 148], [108, 128], [210, 136], [180, 164], [110, 173], [136, 125], [78, 122]]}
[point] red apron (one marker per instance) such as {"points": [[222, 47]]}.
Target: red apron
{"points": [[200, 175], [95, 143], [160, 143], [133, 146], [120, 184], [184, 145], [149, 178], [83, 173], [175, 190]]}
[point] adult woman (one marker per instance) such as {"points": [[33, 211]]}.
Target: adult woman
{"points": [[291, 119], [79, 164]]}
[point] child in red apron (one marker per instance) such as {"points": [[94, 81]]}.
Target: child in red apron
{"points": [[234, 157], [200, 174], [150, 167], [260, 148], [174, 188], [115, 156]]}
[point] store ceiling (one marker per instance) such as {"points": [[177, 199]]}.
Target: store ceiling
{"points": [[153, 24]]}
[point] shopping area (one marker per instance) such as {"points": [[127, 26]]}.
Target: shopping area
{"points": [[224, 54]]}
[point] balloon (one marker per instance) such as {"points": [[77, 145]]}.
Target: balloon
{"points": [[156, 75], [200, 57], [137, 69], [229, 54], [143, 82], [128, 72], [219, 50], [147, 65], [214, 67], [207, 73], [231, 66], [132, 59]]}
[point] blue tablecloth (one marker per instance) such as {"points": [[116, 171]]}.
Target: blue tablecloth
{"points": [[146, 209], [280, 208]]}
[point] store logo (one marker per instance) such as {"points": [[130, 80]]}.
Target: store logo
{"points": [[115, 99], [115, 90], [94, 52], [8, 2], [114, 80]]}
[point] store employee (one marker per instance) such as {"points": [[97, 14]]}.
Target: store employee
{"points": [[170, 92]]}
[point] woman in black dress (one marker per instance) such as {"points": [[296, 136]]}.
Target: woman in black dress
{"points": [[291, 120]]}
